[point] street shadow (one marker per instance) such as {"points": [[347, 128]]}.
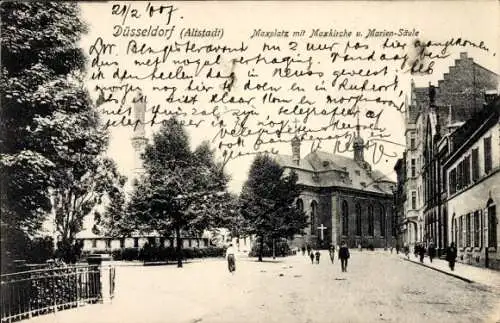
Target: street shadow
{"points": [[268, 261]]}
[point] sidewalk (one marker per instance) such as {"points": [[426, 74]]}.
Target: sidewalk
{"points": [[464, 272]]}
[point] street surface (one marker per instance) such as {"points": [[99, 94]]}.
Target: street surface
{"points": [[378, 287]]}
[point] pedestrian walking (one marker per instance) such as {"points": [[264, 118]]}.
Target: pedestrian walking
{"points": [[231, 260], [343, 256], [432, 251], [407, 251], [451, 255], [421, 253], [311, 255], [303, 250], [317, 254], [308, 250], [397, 248], [332, 253]]}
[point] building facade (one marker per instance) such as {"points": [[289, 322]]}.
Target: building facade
{"points": [[345, 199], [102, 244], [472, 170], [432, 114], [399, 202]]}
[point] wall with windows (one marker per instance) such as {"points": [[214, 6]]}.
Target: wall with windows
{"points": [[366, 220], [308, 201], [109, 244], [474, 198], [312, 204], [413, 180]]}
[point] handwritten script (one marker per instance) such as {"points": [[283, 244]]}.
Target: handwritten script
{"points": [[251, 91]]}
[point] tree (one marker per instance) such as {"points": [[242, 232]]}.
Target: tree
{"points": [[267, 202], [112, 223], [52, 139], [232, 218], [182, 191], [78, 194], [39, 49]]}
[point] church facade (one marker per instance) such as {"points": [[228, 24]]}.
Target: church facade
{"points": [[345, 199]]}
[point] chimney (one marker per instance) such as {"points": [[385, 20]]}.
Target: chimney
{"points": [[432, 95], [296, 150]]}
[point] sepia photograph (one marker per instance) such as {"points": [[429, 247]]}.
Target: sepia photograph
{"points": [[250, 161]]}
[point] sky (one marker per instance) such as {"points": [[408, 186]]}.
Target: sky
{"points": [[435, 21]]}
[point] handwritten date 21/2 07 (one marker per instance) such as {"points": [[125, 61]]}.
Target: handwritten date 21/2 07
{"points": [[130, 11]]}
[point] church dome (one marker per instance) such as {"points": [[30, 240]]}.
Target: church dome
{"points": [[358, 141]]}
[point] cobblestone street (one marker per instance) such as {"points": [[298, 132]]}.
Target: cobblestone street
{"points": [[377, 287]]}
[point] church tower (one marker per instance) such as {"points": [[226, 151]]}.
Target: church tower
{"points": [[296, 150], [358, 146], [139, 140]]}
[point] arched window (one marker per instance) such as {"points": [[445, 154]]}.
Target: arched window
{"points": [[358, 220], [314, 211], [370, 220], [345, 219], [492, 224], [299, 204], [382, 220]]}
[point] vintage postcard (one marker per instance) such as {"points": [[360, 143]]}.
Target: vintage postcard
{"points": [[250, 161]]}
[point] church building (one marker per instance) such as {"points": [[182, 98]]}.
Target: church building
{"points": [[345, 199]]}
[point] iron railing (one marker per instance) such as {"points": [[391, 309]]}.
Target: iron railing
{"points": [[37, 292]]}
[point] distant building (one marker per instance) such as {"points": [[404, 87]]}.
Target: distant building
{"points": [[432, 114], [104, 244], [345, 199], [472, 178], [399, 202]]}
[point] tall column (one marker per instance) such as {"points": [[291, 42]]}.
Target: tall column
{"points": [[139, 140]]}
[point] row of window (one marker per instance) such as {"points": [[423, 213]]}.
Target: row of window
{"points": [[122, 243], [467, 171], [358, 220], [152, 241], [471, 230]]}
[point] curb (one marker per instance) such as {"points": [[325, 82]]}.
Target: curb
{"points": [[441, 271]]}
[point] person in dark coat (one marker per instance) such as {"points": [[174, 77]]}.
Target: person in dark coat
{"points": [[308, 250], [421, 253], [317, 254], [231, 261], [311, 255], [432, 251], [303, 250], [343, 256], [451, 255]]}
